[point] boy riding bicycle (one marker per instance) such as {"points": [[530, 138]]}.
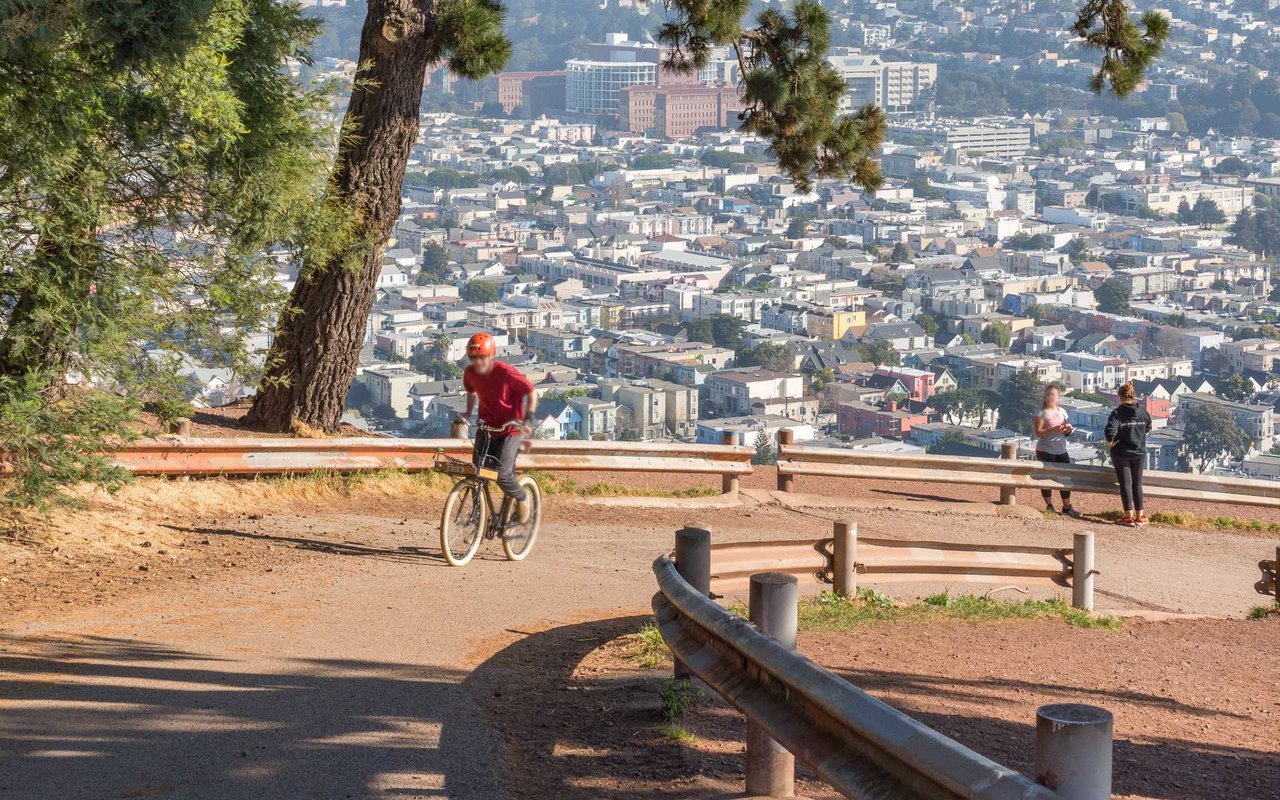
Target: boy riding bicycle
{"points": [[507, 401]]}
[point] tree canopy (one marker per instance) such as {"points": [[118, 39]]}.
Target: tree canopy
{"points": [[149, 159], [1113, 297], [1211, 433]]}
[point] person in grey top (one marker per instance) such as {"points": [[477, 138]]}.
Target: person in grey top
{"points": [[1052, 429]]}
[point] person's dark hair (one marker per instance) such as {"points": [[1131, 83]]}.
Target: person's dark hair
{"points": [[1127, 393]]}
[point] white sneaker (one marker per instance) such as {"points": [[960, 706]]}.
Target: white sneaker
{"points": [[524, 510]]}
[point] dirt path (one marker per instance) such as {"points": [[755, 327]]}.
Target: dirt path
{"points": [[322, 652]]}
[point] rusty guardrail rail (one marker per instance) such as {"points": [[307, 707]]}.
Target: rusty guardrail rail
{"points": [[844, 559], [276, 456], [858, 744], [1010, 474]]}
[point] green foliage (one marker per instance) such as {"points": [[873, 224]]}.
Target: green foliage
{"points": [[433, 360], [631, 435], [675, 734], [879, 352], [1026, 241], [832, 612], [478, 291], [768, 355], [435, 264], [1235, 387], [151, 153], [791, 93], [1257, 231], [648, 650], [1020, 397], [957, 405], [929, 323], [653, 161], [568, 174], [997, 333], [901, 253], [1211, 432], [1264, 612], [765, 452], [1127, 50], [1113, 297], [678, 696]]}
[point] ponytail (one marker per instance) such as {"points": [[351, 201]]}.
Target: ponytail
{"points": [[1127, 393]]}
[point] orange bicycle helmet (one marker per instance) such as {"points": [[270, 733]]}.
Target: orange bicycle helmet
{"points": [[482, 344]]}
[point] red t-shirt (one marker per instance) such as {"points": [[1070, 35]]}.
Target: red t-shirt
{"points": [[501, 393]]}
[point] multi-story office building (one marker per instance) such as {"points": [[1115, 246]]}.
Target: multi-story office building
{"points": [[895, 86], [990, 140], [529, 90], [596, 87]]}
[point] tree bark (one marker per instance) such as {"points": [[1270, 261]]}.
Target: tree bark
{"points": [[318, 339]]}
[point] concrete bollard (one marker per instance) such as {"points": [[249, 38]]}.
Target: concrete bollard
{"points": [[786, 437], [458, 429], [772, 607], [693, 562], [1082, 571], [1073, 750], [1008, 494], [844, 551], [729, 481]]}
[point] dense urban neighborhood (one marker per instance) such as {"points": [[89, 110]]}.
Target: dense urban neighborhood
{"points": [[653, 273]]}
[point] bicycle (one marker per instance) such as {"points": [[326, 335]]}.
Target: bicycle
{"points": [[469, 514]]}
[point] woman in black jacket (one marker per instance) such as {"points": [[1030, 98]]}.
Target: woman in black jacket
{"points": [[1126, 435]]}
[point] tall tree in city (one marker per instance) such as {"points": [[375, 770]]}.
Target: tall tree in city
{"points": [[1128, 48], [149, 152], [791, 96], [1211, 432], [1113, 296], [1021, 395]]}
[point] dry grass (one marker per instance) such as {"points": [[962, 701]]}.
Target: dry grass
{"points": [[146, 509]]}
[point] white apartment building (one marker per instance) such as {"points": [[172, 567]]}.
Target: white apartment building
{"points": [[1165, 199], [893, 85], [1086, 372]]}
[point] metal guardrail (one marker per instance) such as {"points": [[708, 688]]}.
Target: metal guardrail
{"points": [[1010, 474], [858, 744], [275, 456]]}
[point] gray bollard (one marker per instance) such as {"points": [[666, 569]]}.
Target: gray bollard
{"points": [[1082, 572], [458, 430], [1008, 494], [844, 550], [1073, 750], [771, 770], [693, 562]]}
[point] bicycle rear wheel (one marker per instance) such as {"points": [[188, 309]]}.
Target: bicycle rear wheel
{"points": [[463, 523], [517, 540]]}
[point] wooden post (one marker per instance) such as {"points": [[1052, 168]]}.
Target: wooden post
{"points": [[729, 481], [1008, 494], [844, 549], [184, 427], [786, 437]]}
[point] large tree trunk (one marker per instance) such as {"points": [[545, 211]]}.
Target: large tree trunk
{"points": [[318, 339]]}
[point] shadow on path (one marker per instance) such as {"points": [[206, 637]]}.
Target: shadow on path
{"points": [[109, 718]]}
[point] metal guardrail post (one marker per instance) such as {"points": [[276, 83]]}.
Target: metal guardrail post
{"points": [[1008, 494], [844, 551], [457, 430], [1082, 571], [693, 562], [773, 608], [729, 481], [786, 436], [1073, 750]]}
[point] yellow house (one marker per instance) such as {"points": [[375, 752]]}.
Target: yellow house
{"points": [[832, 325]]}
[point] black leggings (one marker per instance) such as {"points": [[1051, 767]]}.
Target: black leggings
{"points": [[1054, 458], [1129, 473]]}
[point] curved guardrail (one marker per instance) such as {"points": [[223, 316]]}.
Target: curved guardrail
{"points": [[860, 745]]}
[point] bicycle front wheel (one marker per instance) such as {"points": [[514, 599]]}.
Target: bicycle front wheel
{"points": [[518, 540], [463, 523]]}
